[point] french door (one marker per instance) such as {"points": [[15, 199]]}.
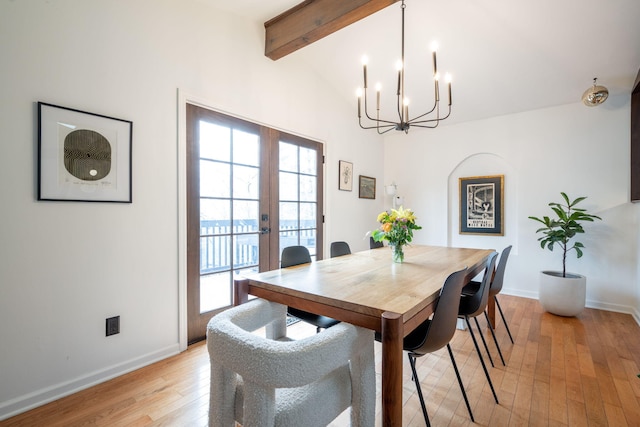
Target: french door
{"points": [[251, 191]]}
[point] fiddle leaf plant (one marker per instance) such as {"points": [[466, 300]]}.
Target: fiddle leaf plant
{"points": [[562, 229]]}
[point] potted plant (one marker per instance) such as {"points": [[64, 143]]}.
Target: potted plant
{"points": [[563, 293]]}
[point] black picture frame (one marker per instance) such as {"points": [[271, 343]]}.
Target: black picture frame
{"points": [[82, 156], [482, 205], [367, 187]]}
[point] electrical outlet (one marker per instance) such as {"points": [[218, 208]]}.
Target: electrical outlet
{"points": [[113, 325]]}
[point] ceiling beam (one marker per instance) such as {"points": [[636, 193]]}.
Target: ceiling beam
{"points": [[312, 20]]}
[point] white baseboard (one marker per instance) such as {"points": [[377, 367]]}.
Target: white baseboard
{"points": [[40, 397], [618, 308]]}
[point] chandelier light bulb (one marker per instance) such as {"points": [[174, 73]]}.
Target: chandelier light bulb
{"points": [[434, 46], [447, 78], [359, 92], [436, 76], [365, 59], [399, 65]]}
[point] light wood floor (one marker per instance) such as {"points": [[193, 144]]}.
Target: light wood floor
{"points": [[560, 372]]}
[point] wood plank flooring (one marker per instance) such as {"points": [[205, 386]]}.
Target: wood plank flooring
{"points": [[560, 372]]}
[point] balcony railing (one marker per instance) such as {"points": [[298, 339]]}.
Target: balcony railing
{"points": [[224, 246]]}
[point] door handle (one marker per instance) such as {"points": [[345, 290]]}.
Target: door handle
{"points": [[265, 230]]}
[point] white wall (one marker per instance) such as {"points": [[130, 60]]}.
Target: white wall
{"points": [[65, 267], [581, 151]]}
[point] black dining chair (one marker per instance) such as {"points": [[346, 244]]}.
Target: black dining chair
{"points": [[297, 255], [474, 305], [373, 244], [435, 333], [340, 249], [496, 287]]}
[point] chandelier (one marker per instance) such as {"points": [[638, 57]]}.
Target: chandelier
{"points": [[429, 119]]}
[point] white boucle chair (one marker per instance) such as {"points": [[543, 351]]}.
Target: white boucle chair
{"points": [[275, 381]]}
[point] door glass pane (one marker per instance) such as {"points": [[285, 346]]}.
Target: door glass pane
{"points": [[288, 216], [245, 250], [214, 179], [308, 161], [308, 188], [308, 239], [215, 141], [288, 157], [245, 148], [288, 186], [308, 215], [246, 182], [215, 254], [214, 213], [245, 216], [214, 291], [289, 238]]}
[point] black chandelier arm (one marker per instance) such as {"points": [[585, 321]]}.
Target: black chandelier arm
{"points": [[425, 126], [415, 119], [377, 126], [436, 103], [377, 119], [437, 119]]}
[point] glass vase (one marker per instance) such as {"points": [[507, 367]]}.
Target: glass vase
{"points": [[397, 253]]}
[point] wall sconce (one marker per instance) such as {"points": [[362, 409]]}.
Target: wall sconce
{"points": [[392, 190]]}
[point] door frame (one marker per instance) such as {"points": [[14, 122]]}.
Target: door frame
{"points": [[184, 98]]}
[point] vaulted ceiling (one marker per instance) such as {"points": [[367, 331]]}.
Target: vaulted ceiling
{"points": [[505, 56]]}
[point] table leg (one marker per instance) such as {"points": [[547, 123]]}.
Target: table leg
{"points": [[240, 291], [391, 369], [491, 311]]}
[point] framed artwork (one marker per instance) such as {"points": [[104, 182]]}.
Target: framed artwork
{"points": [[367, 187], [83, 157], [345, 178], [481, 205]]}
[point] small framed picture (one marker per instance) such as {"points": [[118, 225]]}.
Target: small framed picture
{"points": [[481, 205], [367, 187], [83, 157], [345, 178]]}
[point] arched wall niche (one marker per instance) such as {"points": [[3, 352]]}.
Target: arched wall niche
{"points": [[483, 164]]}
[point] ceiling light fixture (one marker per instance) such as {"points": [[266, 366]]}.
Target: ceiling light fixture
{"points": [[425, 120], [595, 95]]}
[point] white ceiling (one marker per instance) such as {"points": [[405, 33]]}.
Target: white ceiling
{"points": [[506, 56]]}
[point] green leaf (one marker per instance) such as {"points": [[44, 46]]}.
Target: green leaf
{"points": [[564, 227]]}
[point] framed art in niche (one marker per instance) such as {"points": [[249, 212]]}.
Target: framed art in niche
{"points": [[481, 205]]}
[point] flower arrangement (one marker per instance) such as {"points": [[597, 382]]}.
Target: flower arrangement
{"points": [[397, 229]]}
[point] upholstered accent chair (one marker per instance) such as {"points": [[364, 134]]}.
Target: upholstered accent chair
{"points": [[269, 380]]}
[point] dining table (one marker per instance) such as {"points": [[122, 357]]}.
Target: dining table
{"points": [[370, 290]]}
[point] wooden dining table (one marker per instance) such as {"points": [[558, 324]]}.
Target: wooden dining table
{"points": [[368, 289]]}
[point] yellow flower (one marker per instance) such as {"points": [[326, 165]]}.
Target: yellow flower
{"points": [[404, 214], [382, 216], [386, 227]]}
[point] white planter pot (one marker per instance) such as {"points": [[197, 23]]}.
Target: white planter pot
{"points": [[564, 296]]}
